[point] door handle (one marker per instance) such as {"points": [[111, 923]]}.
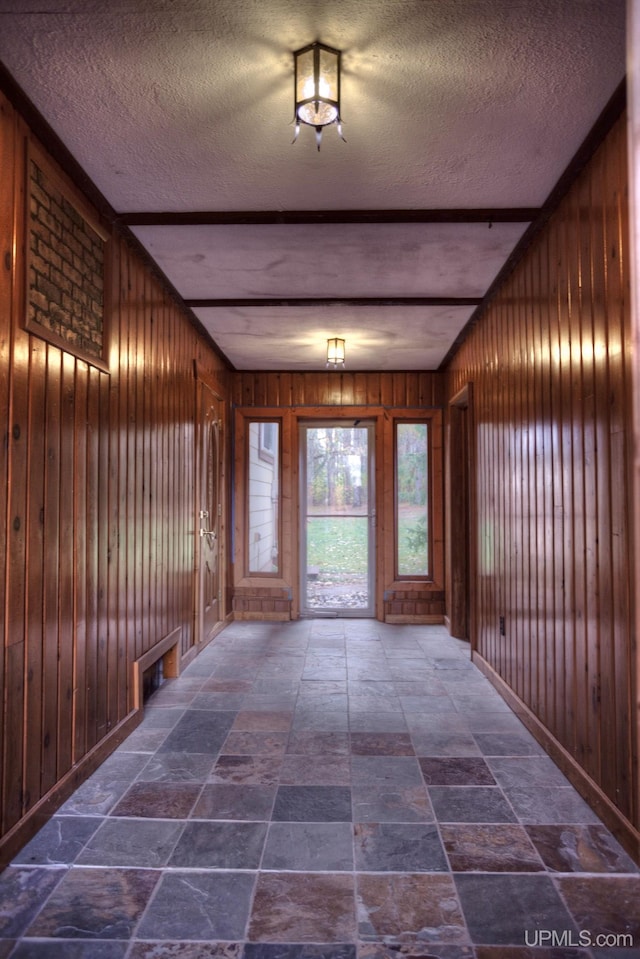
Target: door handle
{"points": [[208, 532]]}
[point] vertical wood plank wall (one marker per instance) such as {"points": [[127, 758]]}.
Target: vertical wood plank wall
{"points": [[97, 499], [550, 363], [283, 390]]}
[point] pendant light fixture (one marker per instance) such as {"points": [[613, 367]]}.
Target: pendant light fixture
{"points": [[335, 353], [317, 88]]}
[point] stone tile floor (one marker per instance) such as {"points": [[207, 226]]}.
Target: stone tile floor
{"points": [[326, 789]]}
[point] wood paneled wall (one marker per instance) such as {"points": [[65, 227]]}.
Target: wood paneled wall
{"points": [[97, 487], [284, 390], [550, 363]]}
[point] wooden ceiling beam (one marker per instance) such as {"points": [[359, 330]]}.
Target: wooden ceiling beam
{"points": [[307, 217], [315, 301]]}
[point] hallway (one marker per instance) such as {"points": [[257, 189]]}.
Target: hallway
{"points": [[323, 788]]}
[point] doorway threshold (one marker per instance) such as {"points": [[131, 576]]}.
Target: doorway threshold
{"points": [[320, 614]]}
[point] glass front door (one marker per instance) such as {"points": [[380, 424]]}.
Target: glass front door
{"points": [[338, 519]]}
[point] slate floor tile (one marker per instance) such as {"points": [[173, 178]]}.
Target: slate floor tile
{"points": [[69, 949], [416, 909], [610, 952], [527, 771], [578, 848], [396, 770], [95, 904], [214, 685], [309, 847], [170, 767], [548, 804], [235, 801], [146, 739], [504, 909], [324, 770], [470, 804], [388, 803], [95, 798], [508, 744], [320, 688], [328, 720], [247, 770], [59, 841], [397, 948], [131, 842], [219, 845], [199, 731], [163, 717], [302, 907], [22, 892], [263, 720], [249, 743], [381, 744], [447, 742], [494, 723], [268, 950], [535, 952], [217, 701], [199, 906], [398, 847], [494, 847], [158, 800], [174, 695], [314, 743], [312, 804], [456, 771], [378, 722], [185, 950], [604, 904]]}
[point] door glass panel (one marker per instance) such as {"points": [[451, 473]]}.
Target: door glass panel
{"points": [[412, 499], [264, 497], [337, 526]]}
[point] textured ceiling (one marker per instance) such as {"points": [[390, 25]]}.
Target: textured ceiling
{"points": [[452, 106]]}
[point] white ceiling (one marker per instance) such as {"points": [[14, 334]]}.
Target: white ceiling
{"points": [[452, 106]]}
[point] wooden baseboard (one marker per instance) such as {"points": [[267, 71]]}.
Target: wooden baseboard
{"points": [[13, 841], [624, 831]]}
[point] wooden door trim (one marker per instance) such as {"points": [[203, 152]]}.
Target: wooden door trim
{"points": [[207, 382], [463, 400]]}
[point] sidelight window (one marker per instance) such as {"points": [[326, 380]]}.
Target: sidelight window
{"points": [[412, 494], [264, 497]]}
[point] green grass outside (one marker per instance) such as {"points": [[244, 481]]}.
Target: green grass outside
{"points": [[338, 547]]}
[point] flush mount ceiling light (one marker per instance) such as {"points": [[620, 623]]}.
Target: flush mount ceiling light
{"points": [[317, 88], [335, 353]]}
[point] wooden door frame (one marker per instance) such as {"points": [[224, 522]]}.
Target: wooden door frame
{"points": [[374, 415], [204, 381], [461, 488], [371, 425]]}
